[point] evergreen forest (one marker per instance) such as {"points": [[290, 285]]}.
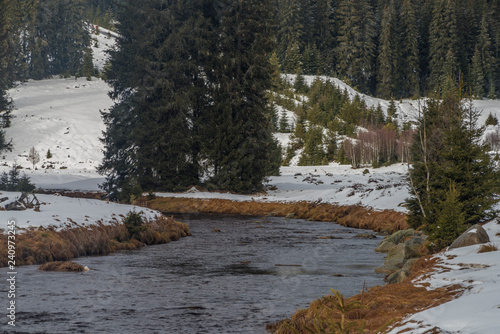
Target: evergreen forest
{"points": [[199, 90]]}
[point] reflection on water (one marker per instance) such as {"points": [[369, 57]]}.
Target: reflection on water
{"points": [[253, 272]]}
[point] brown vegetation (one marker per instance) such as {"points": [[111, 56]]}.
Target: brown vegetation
{"points": [[61, 266], [487, 248], [382, 305], [351, 216], [46, 244]]}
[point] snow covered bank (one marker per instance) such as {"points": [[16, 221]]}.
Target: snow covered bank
{"points": [[60, 210], [381, 188], [477, 310]]}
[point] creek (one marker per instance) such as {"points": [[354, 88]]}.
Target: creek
{"points": [[253, 272]]}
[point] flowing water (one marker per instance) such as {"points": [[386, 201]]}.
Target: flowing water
{"points": [[253, 272]]}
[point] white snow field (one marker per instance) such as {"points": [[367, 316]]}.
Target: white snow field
{"points": [[59, 211], [477, 310]]}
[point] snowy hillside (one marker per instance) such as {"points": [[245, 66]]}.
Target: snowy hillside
{"points": [[477, 310], [63, 115], [60, 115], [407, 108]]}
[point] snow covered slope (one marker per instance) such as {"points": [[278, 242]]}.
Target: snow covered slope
{"points": [[478, 309], [60, 115], [60, 210]]}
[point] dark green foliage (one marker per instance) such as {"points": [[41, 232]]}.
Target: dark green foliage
{"points": [[88, 70], [190, 91], [313, 153], [284, 126], [48, 37], [238, 143], [6, 72], [452, 179], [388, 54], [300, 85], [134, 222], [491, 120], [356, 45], [444, 43], [13, 181], [391, 48]]}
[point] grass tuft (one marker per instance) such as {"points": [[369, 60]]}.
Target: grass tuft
{"points": [[487, 248], [47, 244], [61, 266]]}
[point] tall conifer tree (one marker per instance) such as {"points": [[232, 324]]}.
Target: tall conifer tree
{"points": [[444, 64], [450, 166], [387, 55], [409, 67], [241, 150]]}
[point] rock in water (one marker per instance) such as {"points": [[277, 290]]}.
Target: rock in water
{"points": [[473, 236]]}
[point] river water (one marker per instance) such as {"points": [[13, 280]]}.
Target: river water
{"points": [[253, 272]]}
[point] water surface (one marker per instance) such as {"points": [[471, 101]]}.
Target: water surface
{"points": [[253, 272]]}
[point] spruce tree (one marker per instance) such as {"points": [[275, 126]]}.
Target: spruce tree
{"points": [[409, 67], [6, 74], [447, 150], [151, 139], [387, 56], [477, 75], [239, 147], [290, 30], [356, 47], [444, 41]]}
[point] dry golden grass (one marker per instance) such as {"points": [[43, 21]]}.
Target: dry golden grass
{"points": [[61, 266], [351, 216], [387, 304], [46, 244], [487, 248]]}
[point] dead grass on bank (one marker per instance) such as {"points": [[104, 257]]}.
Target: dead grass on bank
{"points": [[47, 244], [388, 304], [350, 216], [62, 266]]}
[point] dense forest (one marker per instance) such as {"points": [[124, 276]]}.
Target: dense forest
{"points": [[207, 73], [393, 48]]}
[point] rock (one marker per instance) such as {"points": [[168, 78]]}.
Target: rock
{"points": [[391, 241], [398, 276], [398, 255], [473, 236], [385, 246], [409, 263], [399, 236], [386, 269]]}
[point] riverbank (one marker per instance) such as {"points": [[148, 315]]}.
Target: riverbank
{"points": [[454, 291], [350, 216], [38, 245]]}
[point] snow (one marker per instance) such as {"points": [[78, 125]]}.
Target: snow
{"points": [[477, 310], [381, 188], [60, 210]]}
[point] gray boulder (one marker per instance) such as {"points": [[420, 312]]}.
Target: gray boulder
{"points": [[385, 246], [386, 269], [473, 236], [398, 255], [399, 236], [391, 241], [398, 276]]}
